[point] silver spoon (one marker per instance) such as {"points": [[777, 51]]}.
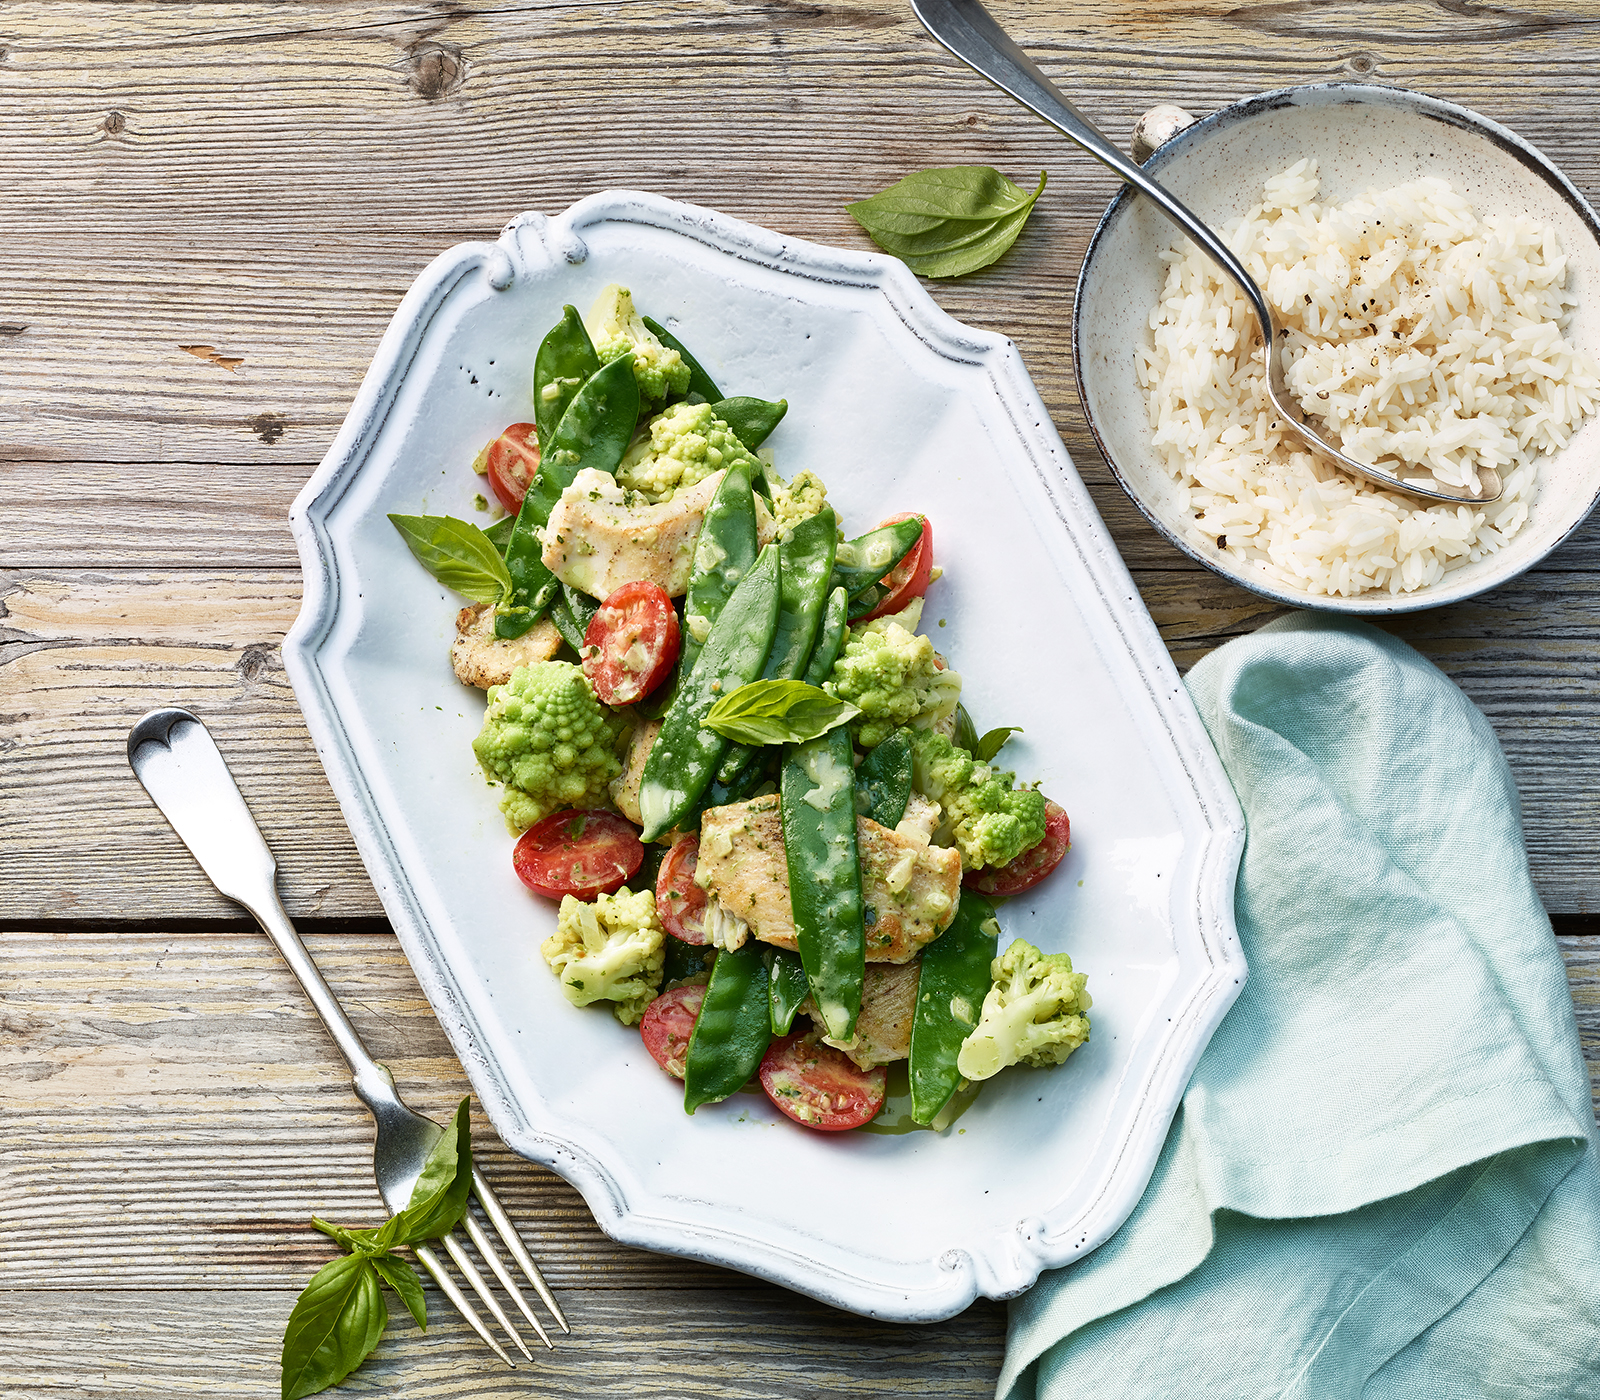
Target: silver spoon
{"points": [[969, 31]]}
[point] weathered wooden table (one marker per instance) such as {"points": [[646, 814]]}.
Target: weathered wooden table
{"points": [[209, 213]]}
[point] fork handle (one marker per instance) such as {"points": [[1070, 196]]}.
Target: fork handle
{"points": [[173, 754]]}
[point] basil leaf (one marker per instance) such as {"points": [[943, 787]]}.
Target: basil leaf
{"points": [[966, 735], [459, 555], [401, 1277], [440, 1195], [948, 221], [993, 742], [777, 712], [565, 361], [336, 1321]]}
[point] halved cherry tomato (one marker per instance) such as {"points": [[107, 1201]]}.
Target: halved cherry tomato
{"points": [[667, 1025], [680, 903], [911, 576], [511, 460], [631, 643], [1032, 865], [577, 853], [819, 1086]]}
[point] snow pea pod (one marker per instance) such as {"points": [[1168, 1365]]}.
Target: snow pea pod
{"points": [[500, 533], [733, 1030], [819, 840], [884, 779], [830, 642], [752, 420], [572, 610], [565, 363], [699, 381], [724, 551], [593, 432], [807, 557], [867, 558], [786, 980], [953, 980], [686, 753], [566, 624]]}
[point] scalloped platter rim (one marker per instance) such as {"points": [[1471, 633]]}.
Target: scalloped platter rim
{"points": [[896, 406]]}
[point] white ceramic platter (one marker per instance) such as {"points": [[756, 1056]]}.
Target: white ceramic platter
{"points": [[896, 407]]}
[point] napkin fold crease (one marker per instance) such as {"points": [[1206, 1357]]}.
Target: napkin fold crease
{"points": [[1383, 1180]]}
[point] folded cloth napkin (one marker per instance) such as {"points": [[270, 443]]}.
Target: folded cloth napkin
{"points": [[1383, 1180]]}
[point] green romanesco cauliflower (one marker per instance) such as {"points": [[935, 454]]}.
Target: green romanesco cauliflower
{"points": [[610, 950], [687, 443], [989, 819], [894, 677], [795, 500], [549, 741], [617, 330], [1033, 1015]]}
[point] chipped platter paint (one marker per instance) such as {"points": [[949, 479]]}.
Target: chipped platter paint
{"points": [[897, 407]]}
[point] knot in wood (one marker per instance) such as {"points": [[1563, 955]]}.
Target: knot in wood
{"points": [[114, 122], [1362, 63], [437, 69], [267, 426], [254, 664]]}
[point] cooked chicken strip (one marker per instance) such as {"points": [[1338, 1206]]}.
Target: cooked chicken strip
{"points": [[888, 1003], [625, 786], [910, 889], [596, 541], [482, 659]]}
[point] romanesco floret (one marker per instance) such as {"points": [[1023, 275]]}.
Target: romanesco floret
{"points": [[988, 818], [549, 741], [610, 950], [893, 677], [1033, 1015], [617, 330], [796, 500], [687, 443]]}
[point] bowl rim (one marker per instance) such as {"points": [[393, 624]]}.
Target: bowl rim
{"points": [[1373, 601]]}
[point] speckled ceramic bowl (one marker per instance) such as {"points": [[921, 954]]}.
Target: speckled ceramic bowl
{"points": [[1361, 137]]}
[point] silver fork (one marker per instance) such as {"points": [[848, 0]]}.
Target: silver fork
{"points": [[174, 756]]}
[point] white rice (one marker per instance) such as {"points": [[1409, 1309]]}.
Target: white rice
{"points": [[1418, 334]]}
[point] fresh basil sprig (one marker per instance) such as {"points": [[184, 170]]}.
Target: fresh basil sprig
{"points": [[948, 221], [459, 555], [777, 712], [339, 1317], [992, 742]]}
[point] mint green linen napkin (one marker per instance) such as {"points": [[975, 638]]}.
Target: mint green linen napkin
{"points": [[1383, 1180]]}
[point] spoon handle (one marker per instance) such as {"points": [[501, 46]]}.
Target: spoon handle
{"points": [[970, 32]]}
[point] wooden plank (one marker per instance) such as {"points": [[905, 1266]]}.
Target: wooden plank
{"points": [[171, 1116], [751, 1342], [120, 118], [84, 653]]}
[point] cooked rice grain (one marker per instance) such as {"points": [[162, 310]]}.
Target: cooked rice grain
{"points": [[1419, 334]]}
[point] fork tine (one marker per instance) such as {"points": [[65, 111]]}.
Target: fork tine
{"points": [[476, 1233], [480, 1286], [513, 1242], [441, 1276]]}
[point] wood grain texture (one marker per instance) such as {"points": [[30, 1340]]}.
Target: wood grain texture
{"points": [[748, 1342], [82, 654], [171, 1115], [210, 214]]}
